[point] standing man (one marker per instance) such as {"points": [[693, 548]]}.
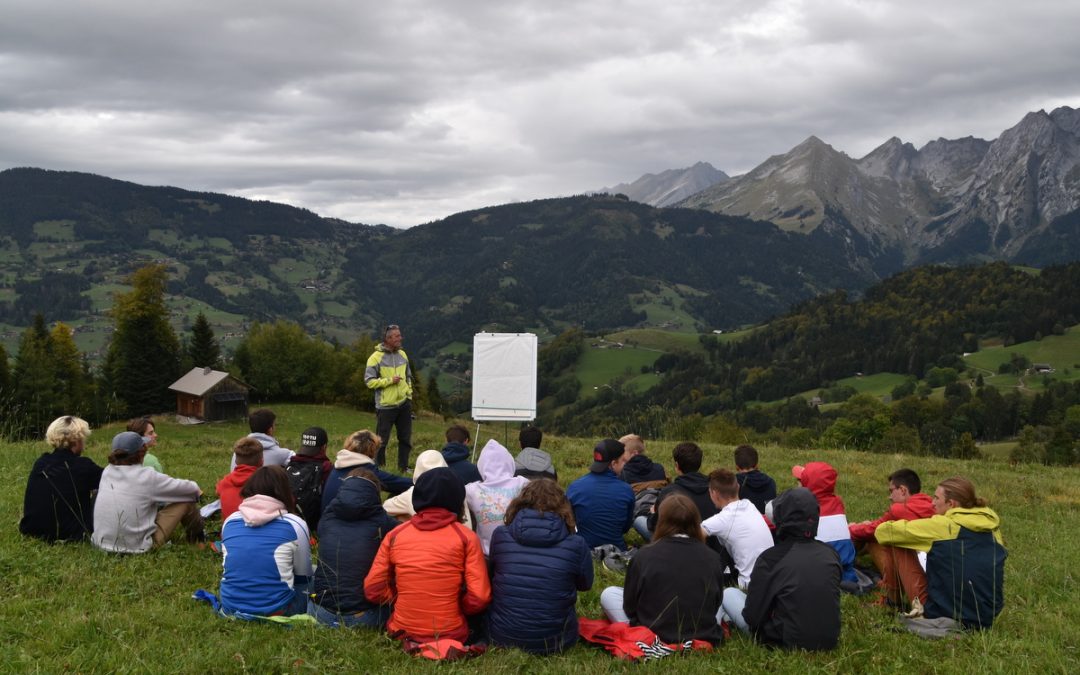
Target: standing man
{"points": [[389, 375]]}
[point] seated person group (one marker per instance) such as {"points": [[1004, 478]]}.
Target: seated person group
{"points": [[459, 551]]}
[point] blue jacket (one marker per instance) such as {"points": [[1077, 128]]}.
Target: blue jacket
{"points": [[392, 483], [537, 568], [457, 458], [603, 508], [351, 529]]}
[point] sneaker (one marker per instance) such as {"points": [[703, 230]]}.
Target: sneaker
{"points": [[615, 564], [917, 609]]}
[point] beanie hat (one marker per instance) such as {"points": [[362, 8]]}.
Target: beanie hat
{"points": [[439, 488]]}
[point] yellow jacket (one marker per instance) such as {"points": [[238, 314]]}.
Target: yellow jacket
{"points": [[382, 366]]}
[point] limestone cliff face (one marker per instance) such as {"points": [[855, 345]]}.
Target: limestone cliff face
{"points": [[671, 186], [963, 199]]}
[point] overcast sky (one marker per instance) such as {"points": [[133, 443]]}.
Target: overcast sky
{"points": [[406, 111]]}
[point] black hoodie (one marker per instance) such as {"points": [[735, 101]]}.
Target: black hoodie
{"points": [[641, 469], [693, 485], [794, 596], [758, 487]]}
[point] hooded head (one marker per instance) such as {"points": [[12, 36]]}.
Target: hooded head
{"points": [[818, 477], [426, 461], [495, 463], [357, 498], [439, 488], [796, 514]]}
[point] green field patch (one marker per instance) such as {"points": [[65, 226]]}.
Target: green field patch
{"points": [[600, 367], [338, 309], [294, 271], [664, 309], [505, 282], [59, 230], [456, 348], [1059, 351], [220, 243], [656, 339], [102, 296]]}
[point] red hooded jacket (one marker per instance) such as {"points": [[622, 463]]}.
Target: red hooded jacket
{"points": [[820, 478], [917, 506]]}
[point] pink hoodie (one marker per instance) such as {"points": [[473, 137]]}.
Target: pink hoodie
{"points": [[259, 510]]}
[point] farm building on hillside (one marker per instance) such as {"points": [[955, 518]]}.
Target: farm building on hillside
{"points": [[210, 395]]}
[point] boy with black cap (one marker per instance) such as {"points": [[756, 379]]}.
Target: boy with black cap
{"points": [[307, 472], [603, 503], [126, 514], [431, 568]]}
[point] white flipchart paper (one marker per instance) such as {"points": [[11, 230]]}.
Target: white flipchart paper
{"points": [[504, 377]]}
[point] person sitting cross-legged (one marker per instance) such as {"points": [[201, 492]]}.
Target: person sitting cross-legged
{"points": [[267, 554], [431, 569], [352, 527], [603, 504], [537, 549], [127, 516], [793, 600], [57, 505], [675, 584]]}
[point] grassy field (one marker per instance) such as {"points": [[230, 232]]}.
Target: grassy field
{"points": [[73, 608], [1062, 352], [598, 367]]}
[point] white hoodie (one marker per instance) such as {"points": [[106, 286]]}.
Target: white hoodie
{"points": [[401, 505]]}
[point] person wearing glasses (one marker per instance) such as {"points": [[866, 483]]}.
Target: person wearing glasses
{"points": [[388, 374]]}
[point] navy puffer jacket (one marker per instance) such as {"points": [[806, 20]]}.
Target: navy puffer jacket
{"points": [[352, 527], [537, 568]]}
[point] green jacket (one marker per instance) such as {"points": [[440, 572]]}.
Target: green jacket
{"points": [[382, 366]]}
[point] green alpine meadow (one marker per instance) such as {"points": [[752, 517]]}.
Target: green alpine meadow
{"points": [[73, 608]]}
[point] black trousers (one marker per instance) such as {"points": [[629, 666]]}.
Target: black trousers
{"points": [[400, 417]]}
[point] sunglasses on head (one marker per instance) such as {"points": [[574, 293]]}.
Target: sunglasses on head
{"points": [[390, 327]]}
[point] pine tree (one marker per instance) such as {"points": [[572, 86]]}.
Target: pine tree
{"points": [[202, 349], [74, 387], [144, 355], [35, 384]]}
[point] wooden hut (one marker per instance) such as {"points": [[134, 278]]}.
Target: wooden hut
{"points": [[210, 395]]}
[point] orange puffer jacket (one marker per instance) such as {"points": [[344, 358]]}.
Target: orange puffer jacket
{"points": [[432, 569]]}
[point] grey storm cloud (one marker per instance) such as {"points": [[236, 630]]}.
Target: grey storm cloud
{"points": [[407, 111]]}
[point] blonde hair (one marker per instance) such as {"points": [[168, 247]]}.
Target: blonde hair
{"points": [[633, 443], [67, 431], [365, 442]]}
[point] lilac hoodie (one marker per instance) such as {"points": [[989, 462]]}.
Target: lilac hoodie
{"points": [[489, 499]]}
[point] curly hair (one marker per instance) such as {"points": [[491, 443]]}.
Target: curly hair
{"points": [[67, 431], [543, 495]]}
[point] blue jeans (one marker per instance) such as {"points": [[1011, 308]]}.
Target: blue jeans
{"points": [[641, 526], [372, 618]]}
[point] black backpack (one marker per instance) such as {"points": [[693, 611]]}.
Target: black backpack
{"points": [[305, 478]]}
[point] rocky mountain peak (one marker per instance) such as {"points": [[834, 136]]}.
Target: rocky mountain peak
{"points": [[891, 159]]}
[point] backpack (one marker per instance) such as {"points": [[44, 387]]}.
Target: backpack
{"points": [[305, 478]]}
